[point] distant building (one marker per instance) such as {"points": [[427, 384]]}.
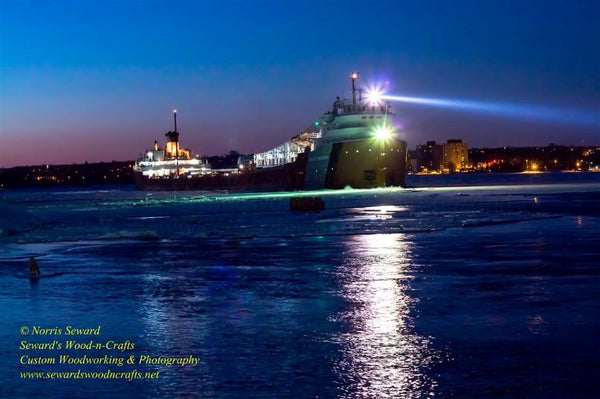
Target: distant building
{"points": [[455, 155], [451, 156], [428, 157]]}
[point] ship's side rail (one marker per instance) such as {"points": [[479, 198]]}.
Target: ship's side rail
{"points": [[172, 162]]}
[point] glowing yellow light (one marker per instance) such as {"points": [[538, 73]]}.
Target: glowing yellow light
{"points": [[354, 75], [174, 111]]}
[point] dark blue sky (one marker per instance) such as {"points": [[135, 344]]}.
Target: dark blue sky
{"points": [[97, 80]]}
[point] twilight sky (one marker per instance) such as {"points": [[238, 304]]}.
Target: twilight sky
{"points": [[97, 80]]}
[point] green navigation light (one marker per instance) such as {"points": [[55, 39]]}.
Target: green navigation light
{"points": [[382, 133]]}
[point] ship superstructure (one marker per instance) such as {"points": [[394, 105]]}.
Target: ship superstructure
{"points": [[170, 162], [358, 146]]}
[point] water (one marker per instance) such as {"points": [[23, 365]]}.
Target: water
{"points": [[470, 291]]}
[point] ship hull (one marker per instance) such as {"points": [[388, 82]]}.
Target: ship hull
{"points": [[363, 163], [285, 177], [356, 164], [366, 164]]}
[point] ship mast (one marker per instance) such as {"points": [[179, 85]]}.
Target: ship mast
{"points": [[175, 119], [354, 76], [176, 135], [177, 143]]}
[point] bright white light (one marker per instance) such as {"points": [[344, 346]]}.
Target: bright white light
{"points": [[374, 96]]}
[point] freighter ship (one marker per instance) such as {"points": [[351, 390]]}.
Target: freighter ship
{"points": [[354, 144]]}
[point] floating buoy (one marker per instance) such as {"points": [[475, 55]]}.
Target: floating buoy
{"points": [[306, 204]]}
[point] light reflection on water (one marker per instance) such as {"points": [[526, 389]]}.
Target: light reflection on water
{"points": [[173, 327], [381, 355], [332, 312]]}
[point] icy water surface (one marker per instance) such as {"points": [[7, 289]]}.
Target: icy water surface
{"points": [[425, 292]]}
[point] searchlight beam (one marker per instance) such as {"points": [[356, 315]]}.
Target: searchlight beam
{"points": [[589, 118]]}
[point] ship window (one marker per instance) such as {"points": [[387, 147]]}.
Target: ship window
{"points": [[363, 117], [371, 117]]}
